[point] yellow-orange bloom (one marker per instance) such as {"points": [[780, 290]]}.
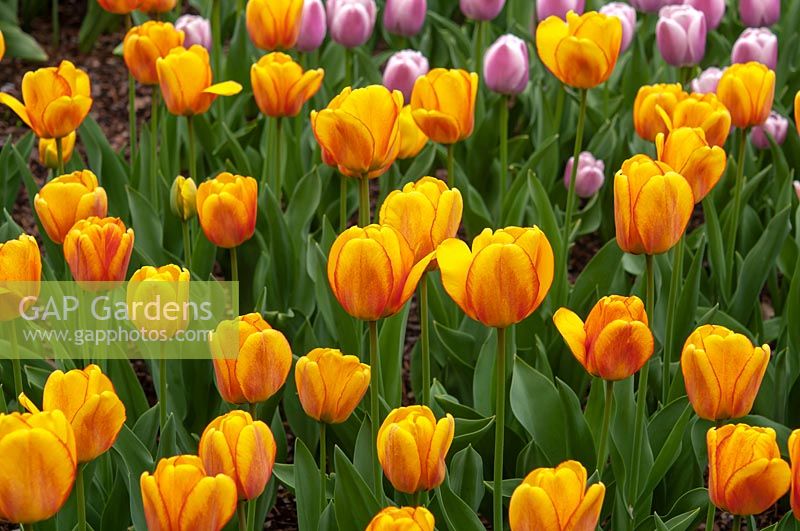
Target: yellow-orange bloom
{"points": [[556, 499], [402, 519], [156, 6], [330, 385], [158, 299], [746, 474], [180, 496], [485, 281], [797, 111], [145, 44], [582, 50], [20, 274], [119, 7], [185, 79], [281, 87], [706, 112], [67, 199], [722, 371], [614, 342], [183, 198], [90, 404], [372, 271], [48, 151], [98, 250], [426, 213], [37, 465], [747, 90], [443, 104], [55, 100], [412, 139], [241, 448], [686, 151], [652, 206], [412, 447], [359, 130], [652, 103], [251, 359], [227, 206], [794, 456], [274, 24], [2, 46]]}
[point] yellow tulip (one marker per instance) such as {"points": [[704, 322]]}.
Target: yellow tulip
{"points": [[402, 519], [794, 455], [797, 111], [2, 46], [443, 104], [686, 151], [227, 206], [274, 24], [652, 103], [20, 274], [144, 45], [281, 87], [183, 198], [68, 199], [98, 250], [330, 385], [412, 139], [157, 299], [706, 112], [48, 151], [747, 90]]}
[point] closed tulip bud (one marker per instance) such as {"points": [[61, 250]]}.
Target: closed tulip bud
{"points": [[713, 10], [330, 385], [281, 87], [404, 17], [412, 139], [98, 250], [747, 90], [653, 6], [412, 447], [185, 79], [359, 130], [158, 299], [372, 271], [558, 8], [706, 112], [48, 150], [426, 213], [746, 474], [776, 126], [180, 495], [351, 22], [443, 104], [627, 17], [591, 40], [402, 519], [38, 458], [614, 342], [652, 206], [686, 151], [241, 448], [756, 44], [652, 103], [794, 456], [723, 372], [68, 199], [590, 176], [156, 6], [313, 26], [707, 81], [20, 275], [505, 66], [758, 13], [274, 24], [119, 7], [251, 359], [55, 100], [183, 198], [145, 44], [226, 207], [196, 30], [681, 35], [484, 281], [796, 185], [481, 9], [402, 71]]}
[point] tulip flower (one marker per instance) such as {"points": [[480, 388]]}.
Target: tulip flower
{"points": [[196, 30], [239, 447], [412, 447], [589, 177], [402, 70], [759, 13], [722, 371], [796, 185], [404, 17], [558, 8], [145, 44], [48, 150], [747, 90], [556, 499], [443, 104], [68, 199], [756, 44], [98, 250], [713, 10], [706, 112], [20, 276], [627, 17], [38, 457], [653, 6], [156, 6], [707, 81], [152, 291], [412, 139], [351, 22], [746, 474], [506, 67], [2, 46], [681, 35], [330, 385], [119, 7], [313, 26], [651, 104], [484, 10], [661, 108], [281, 87], [402, 519], [686, 151], [251, 359], [180, 495], [226, 206], [776, 126], [274, 24], [794, 456], [183, 198]]}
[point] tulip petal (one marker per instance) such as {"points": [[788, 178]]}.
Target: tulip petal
{"points": [[587, 514], [346, 138], [756, 487], [401, 460], [702, 385], [454, 259], [570, 326], [63, 115], [255, 456], [587, 62], [155, 512], [532, 509], [17, 107], [662, 211], [621, 349], [226, 88], [363, 279], [97, 425], [438, 126], [209, 505], [216, 454], [549, 34], [310, 387], [263, 365]]}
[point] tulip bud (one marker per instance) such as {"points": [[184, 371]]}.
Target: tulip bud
{"points": [[756, 44], [556, 499], [313, 26], [48, 151], [759, 13], [653, 6], [183, 198], [68, 199], [402, 519], [685, 149], [402, 71], [156, 6], [714, 10], [351, 21], [251, 359], [443, 104], [681, 35], [505, 66], [558, 8], [98, 250], [404, 17], [627, 17], [412, 447], [273, 24], [330, 385], [796, 185], [747, 90], [20, 275], [226, 207], [481, 9], [590, 176], [197, 30], [412, 139], [776, 126], [241, 448], [794, 456], [119, 7], [160, 288], [281, 87], [707, 81]]}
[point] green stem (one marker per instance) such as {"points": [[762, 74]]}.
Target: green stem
{"points": [[342, 203], [425, 339], [187, 245], [733, 229], [451, 166], [710, 514], [56, 24], [480, 29], [192, 158], [348, 67], [234, 265], [216, 36], [364, 215], [251, 514], [240, 513], [16, 363], [602, 446], [252, 408], [500, 426], [374, 404], [154, 147], [60, 155], [162, 393], [672, 308], [504, 101], [571, 199], [80, 494], [737, 523], [131, 105], [278, 161], [323, 465]]}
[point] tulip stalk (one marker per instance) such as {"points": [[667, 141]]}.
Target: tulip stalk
{"points": [[56, 23], [80, 494], [499, 430], [251, 514], [737, 523], [571, 198], [504, 101], [602, 445], [187, 245], [480, 30], [323, 499], [241, 515], [737, 206], [60, 155], [364, 215], [672, 303], [131, 103], [710, 515], [342, 203], [278, 142], [154, 147], [424, 336], [192, 158], [451, 165], [16, 363], [374, 404], [162, 389], [216, 34]]}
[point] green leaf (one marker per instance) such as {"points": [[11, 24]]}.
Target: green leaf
{"points": [[308, 490], [136, 459], [355, 504], [466, 476], [126, 384], [21, 45], [391, 341], [458, 516]]}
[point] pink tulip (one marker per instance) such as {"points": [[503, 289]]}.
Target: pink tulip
{"points": [[681, 35], [351, 21], [777, 127], [757, 13], [756, 44], [506, 68], [652, 6], [714, 10], [558, 8], [313, 26], [627, 16], [707, 81], [481, 9], [404, 17], [402, 70], [590, 176], [196, 29], [796, 185]]}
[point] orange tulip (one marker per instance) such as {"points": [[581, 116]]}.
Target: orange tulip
{"points": [[747, 90], [443, 104], [556, 499], [68, 199], [722, 371], [797, 111], [227, 206], [746, 474], [253, 368], [119, 7], [180, 496], [56, 100], [274, 24], [145, 44], [652, 206], [686, 151], [20, 274], [412, 447], [706, 112], [157, 6], [185, 79], [2, 46], [372, 271], [402, 519], [183, 198], [412, 139], [281, 87], [48, 151], [794, 456], [359, 130], [241, 448], [614, 342], [98, 250], [652, 103], [158, 298], [485, 281], [426, 213], [330, 385]]}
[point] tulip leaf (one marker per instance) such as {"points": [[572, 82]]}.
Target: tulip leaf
{"points": [[682, 522], [127, 386], [456, 513], [107, 165], [307, 490], [355, 503], [391, 340], [136, 459], [466, 476]]}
